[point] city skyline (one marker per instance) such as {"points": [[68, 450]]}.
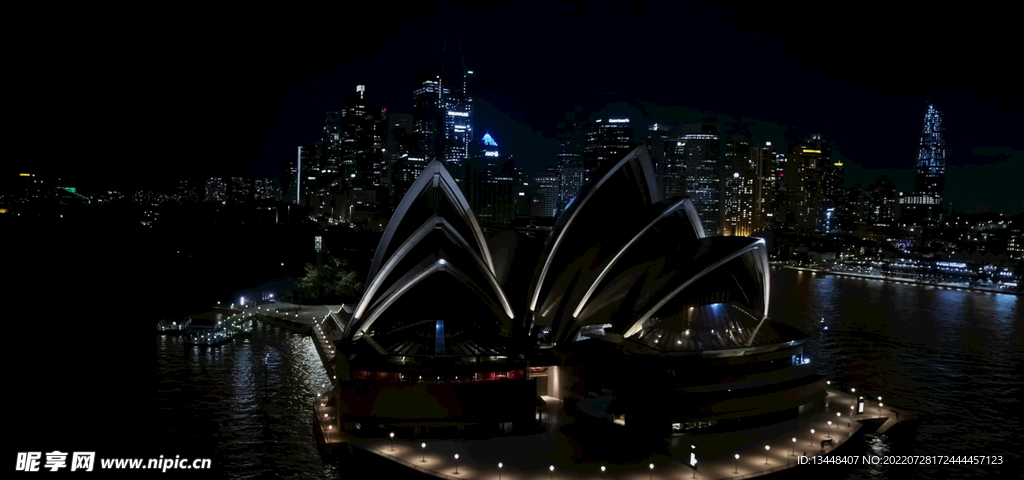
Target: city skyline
{"points": [[256, 108], [627, 239]]}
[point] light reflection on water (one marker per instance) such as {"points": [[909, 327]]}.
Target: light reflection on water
{"points": [[212, 403], [954, 356]]}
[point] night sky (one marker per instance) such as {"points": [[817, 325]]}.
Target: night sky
{"points": [[168, 94]]}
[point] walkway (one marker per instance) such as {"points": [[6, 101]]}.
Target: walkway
{"points": [[532, 456]]}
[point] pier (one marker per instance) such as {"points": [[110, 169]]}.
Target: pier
{"points": [[217, 327]]}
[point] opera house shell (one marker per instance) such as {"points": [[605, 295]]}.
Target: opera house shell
{"points": [[433, 341], [658, 327], [632, 315]]}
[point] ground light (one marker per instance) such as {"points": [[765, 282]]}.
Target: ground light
{"points": [[737, 468], [792, 451], [456, 464], [499, 470], [424, 447], [651, 467], [811, 441], [392, 441], [766, 448], [551, 470], [830, 429]]}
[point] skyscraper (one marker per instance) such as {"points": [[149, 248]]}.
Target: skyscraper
{"points": [[659, 143], [805, 181], [429, 115], [301, 173], [570, 162], [738, 186], [404, 158], [880, 202], [763, 161], [443, 118], [361, 145], [491, 183], [833, 194], [543, 194], [607, 141], [458, 122], [931, 157], [329, 147], [458, 104], [924, 205], [698, 151]]}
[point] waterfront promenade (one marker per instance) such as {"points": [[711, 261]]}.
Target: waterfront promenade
{"points": [[299, 318], [527, 457], [947, 286]]}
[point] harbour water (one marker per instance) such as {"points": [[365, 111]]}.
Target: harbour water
{"points": [[954, 357]]}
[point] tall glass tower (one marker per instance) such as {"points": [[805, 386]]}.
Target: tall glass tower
{"points": [[931, 158], [924, 205]]}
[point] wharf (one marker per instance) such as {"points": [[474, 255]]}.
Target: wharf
{"points": [[221, 329], [290, 316]]}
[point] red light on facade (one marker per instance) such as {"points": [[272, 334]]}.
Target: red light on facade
{"points": [[782, 174]]}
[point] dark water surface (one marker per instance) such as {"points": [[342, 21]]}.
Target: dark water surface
{"points": [[953, 357]]}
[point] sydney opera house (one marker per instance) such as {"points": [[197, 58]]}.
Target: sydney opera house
{"points": [[628, 313]]}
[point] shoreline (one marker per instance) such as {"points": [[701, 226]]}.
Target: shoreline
{"points": [[895, 279]]}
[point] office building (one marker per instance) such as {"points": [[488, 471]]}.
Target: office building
{"points": [[698, 160], [605, 142]]}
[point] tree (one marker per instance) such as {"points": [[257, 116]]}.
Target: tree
{"points": [[330, 282]]}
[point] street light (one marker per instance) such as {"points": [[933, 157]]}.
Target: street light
{"points": [[811, 442], [392, 441], [830, 429], [456, 464], [602, 468], [792, 451], [737, 468], [424, 447], [879, 408], [766, 448], [693, 460], [651, 467], [551, 470], [499, 470]]}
